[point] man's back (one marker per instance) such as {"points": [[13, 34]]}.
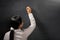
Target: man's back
{"points": [[23, 34]]}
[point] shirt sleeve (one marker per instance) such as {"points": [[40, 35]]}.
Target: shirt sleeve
{"points": [[6, 36], [30, 29]]}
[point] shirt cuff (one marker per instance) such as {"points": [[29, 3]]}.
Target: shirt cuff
{"points": [[30, 15]]}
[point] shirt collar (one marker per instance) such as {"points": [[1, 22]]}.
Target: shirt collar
{"points": [[18, 30]]}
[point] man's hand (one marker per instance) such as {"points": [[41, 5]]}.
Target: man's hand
{"points": [[28, 9]]}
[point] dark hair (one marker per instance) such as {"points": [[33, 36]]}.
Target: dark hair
{"points": [[15, 22], [11, 35]]}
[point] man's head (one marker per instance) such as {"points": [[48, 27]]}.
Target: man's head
{"points": [[16, 22]]}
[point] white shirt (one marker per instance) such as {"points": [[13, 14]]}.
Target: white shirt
{"points": [[23, 35]]}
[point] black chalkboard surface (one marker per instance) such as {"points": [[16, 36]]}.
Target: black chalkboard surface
{"points": [[46, 13]]}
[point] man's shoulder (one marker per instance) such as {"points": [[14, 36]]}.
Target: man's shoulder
{"points": [[7, 33], [6, 36]]}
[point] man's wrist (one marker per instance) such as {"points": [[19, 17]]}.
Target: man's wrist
{"points": [[29, 13]]}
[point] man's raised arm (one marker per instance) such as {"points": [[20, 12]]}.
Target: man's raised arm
{"points": [[30, 29]]}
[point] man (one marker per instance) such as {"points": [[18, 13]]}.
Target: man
{"points": [[16, 32]]}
